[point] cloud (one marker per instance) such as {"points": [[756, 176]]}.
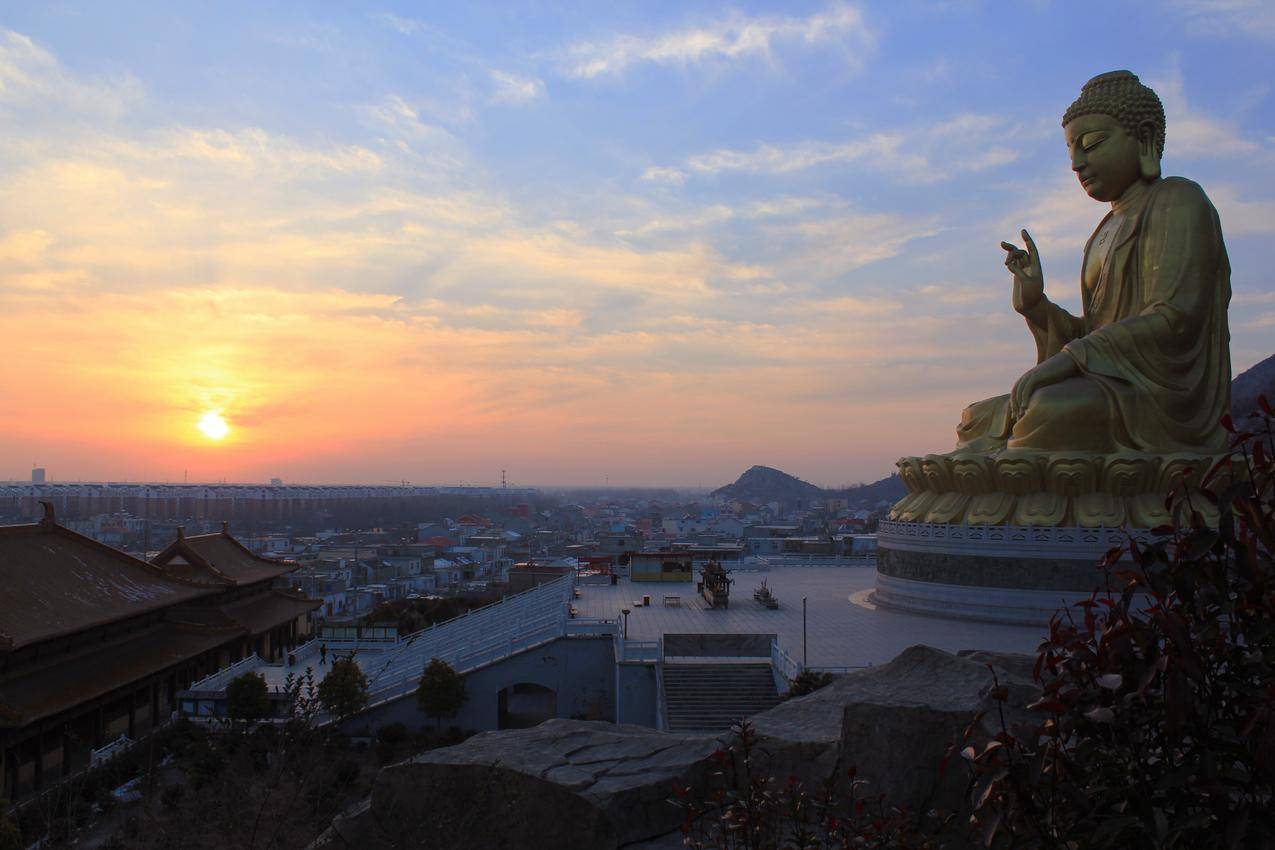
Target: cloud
{"points": [[512, 88], [1193, 133], [737, 37], [1242, 217], [1229, 18], [32, 79], [401, 25], [700, 219], [970, 142], [663, 174]]}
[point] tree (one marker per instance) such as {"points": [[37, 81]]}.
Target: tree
{"points": [[247, 697], [343, 690], [441, 692]]}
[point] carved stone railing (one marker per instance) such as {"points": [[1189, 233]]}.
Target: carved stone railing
{"points": [[1034, 490]]}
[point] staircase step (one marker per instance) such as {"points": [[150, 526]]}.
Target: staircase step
{"points": [[713, 697]]}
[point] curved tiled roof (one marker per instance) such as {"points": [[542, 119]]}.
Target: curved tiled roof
{"points": [[54, 582], [218, 559]]}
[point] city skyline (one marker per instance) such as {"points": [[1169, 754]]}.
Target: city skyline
{"points": [[645, 246]]}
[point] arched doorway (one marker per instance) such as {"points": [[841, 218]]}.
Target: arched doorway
{"points": [[524, 704]]}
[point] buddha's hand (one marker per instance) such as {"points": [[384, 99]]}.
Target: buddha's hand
{"points": [[1058, 368], [1029, 277]]}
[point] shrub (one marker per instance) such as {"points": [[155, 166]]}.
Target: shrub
{"points": [[1158, 698], [743, 806], [392, 733], [385, 752], [441, 692], [347, 773], [10, 835], [807, 682], [171, 796], [343, 690], [247, 697]]}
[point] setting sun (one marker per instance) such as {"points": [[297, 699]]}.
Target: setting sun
{"points": [[213, 426]]}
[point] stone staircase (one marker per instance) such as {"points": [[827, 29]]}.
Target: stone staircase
{"points": [[710, 697]]}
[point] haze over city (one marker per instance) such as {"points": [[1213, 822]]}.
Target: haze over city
{"points": [[649, 244]]}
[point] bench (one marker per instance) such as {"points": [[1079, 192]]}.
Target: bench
{"points": [[672, 600]]}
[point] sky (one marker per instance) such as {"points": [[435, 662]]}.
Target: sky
{"points": [[642, 243]]}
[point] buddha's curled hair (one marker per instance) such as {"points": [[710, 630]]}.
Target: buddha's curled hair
{"points": [[1121, 95]]}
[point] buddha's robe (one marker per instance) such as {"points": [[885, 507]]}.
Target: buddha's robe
{"points": [[1152, 345]]}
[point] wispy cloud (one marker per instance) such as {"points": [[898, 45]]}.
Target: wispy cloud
{"points": [[736, 37], [513, 88], [32, 77], [1230, 18], [1194, 133], [967, 142], [400, 24]]}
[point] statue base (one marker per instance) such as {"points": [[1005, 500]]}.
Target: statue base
{"points": [[1007, 574], [1036, 489]]}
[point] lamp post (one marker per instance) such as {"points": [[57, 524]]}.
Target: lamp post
{"points": [[805, 657], [625, 612]]}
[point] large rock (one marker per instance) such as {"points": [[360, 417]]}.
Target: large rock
{"points": [[895, 722], [570, 784], [562, 785]]}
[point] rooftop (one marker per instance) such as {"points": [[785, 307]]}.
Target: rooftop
{"points": [[218, 558], [843, 628], [54, 581]]}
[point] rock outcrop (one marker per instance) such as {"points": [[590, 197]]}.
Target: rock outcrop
{"points": [[569, 784], [895, 722], [561, 785]]}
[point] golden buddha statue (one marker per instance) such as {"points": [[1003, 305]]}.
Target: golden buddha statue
{"points": [[1140, 380]]}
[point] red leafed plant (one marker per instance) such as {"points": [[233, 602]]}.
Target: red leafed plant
{"points": [[1158, 702]]}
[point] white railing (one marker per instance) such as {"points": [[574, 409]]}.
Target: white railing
{"points": [[782, 663], [223, 677], [592, 626], [661, 707], [481, 637], [639, 650], [110, 751]]}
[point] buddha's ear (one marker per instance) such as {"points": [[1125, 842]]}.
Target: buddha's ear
{"points": [[1149, 149]]}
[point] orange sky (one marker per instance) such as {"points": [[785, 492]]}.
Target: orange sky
{"points": [[375, 277]]}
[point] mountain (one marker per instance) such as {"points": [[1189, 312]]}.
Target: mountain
{"points": [[889, 489], [1249, 384], [762, 484]]}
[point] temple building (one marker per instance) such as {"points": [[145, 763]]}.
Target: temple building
{"points": [[95, 644]]}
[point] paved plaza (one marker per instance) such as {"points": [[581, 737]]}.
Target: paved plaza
{"points": [[843, 628]]}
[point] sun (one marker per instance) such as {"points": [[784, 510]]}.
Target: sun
{"points": [[213, 426]]}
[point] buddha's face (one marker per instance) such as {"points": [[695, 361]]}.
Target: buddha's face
{"points": [[1103, 155]]}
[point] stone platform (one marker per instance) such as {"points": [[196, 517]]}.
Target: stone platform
{"points": [[995, 573], [1034, 489]]}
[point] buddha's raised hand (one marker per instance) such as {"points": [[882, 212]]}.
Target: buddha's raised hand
{"points": [[1029, 277]]}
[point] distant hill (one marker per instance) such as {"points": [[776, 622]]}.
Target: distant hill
{"points": [[762, 484], [889, 489], [1249, 384]]}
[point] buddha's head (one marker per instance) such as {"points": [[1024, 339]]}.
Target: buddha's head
{"points": [[1115, 134]]}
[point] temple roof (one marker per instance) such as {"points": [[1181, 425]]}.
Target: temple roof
{"points": [[54, 582], [256, 614], [217, 558]]}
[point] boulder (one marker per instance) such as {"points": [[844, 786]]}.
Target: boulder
{"points": [[894, 724], [569, 784], [561, 785]]}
